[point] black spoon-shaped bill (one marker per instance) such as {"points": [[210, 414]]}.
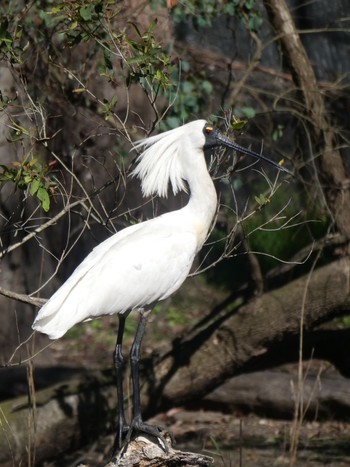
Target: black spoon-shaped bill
{"points": [[215, 138]]}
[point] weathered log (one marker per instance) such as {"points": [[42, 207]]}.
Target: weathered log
{"points": [[68, 413], [242, 339], [144, 452], [62, 417], [273, 394]]}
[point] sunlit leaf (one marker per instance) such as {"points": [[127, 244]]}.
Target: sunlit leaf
{"points": [[44, 198], [34, 186]]}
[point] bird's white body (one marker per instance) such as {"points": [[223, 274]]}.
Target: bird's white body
{"points": [[146, 262]]}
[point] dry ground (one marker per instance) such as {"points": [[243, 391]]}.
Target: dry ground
{"points": [[232, 441]]}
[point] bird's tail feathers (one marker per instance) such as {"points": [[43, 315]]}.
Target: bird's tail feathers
{"points": [[57, 316]]}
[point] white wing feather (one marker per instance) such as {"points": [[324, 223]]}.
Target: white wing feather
{"points": [[140, 265]]}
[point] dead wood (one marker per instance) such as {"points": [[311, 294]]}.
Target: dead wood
{"points": [[272, 394], [238, 340], [144, 452], [268, 394], [62, 417]]}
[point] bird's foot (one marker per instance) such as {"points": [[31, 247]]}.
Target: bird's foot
{"points": [[137, 426]]}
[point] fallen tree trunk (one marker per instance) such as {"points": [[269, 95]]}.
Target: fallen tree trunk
{"points": [[233, 342], [272, 394], [239, 340], [60, 418]]}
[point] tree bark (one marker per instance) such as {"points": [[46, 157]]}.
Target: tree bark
{"points": [[236, 341], [337, 185], [56, 419], [272, 394]]}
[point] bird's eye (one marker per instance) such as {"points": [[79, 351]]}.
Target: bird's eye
{"points": [[208, 130]]}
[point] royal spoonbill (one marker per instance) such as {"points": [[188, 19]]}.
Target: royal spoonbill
{"points": [[146, 262]]}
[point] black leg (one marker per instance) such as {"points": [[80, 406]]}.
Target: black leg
{"points": [[119, 364], [134, 361], [137, 425]]}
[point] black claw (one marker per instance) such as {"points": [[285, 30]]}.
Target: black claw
{"points": [[138, 426]]}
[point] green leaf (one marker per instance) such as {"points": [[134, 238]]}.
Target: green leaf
{"points": [[187, 87], [261, 200], [55, 9], [108, 59], [207, 86], [86, 12], [238, 124], [7, 174], [34, 186], [44, 198], [278, 133], [73, 25], [248, 112], [185, 66], [113, 101]]}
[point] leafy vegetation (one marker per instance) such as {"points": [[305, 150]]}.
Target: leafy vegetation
{"points": [[32, 175], [202, 14]]}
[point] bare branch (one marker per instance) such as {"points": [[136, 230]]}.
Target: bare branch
{"points": [[23, 297]]}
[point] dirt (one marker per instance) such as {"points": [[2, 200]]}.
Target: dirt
{"points": [[234, 440]]}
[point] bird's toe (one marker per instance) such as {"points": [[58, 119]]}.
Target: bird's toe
{"points": [[138, 427]]}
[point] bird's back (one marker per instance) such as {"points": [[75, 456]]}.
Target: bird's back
{"points": [[138, 266]]}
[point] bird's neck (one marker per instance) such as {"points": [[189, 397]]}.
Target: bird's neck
{"points": [[202, 204]]}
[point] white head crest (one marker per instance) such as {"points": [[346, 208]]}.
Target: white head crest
{"points": [[161, 160]]}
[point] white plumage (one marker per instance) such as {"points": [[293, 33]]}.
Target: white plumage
{"points": [[146, 262]]}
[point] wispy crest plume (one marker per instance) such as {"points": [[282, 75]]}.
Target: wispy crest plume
{"points": [[160, 163]]}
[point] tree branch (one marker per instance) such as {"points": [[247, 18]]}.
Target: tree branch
{"points": [[337, 190], [23, 297]]}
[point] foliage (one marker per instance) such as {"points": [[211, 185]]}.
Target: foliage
{"points": [[203, 13], [192, 97], [10, 48], [49, 29], [33, 175]]}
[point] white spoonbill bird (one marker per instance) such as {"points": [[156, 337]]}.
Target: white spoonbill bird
{"points": [[146, 262]]}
